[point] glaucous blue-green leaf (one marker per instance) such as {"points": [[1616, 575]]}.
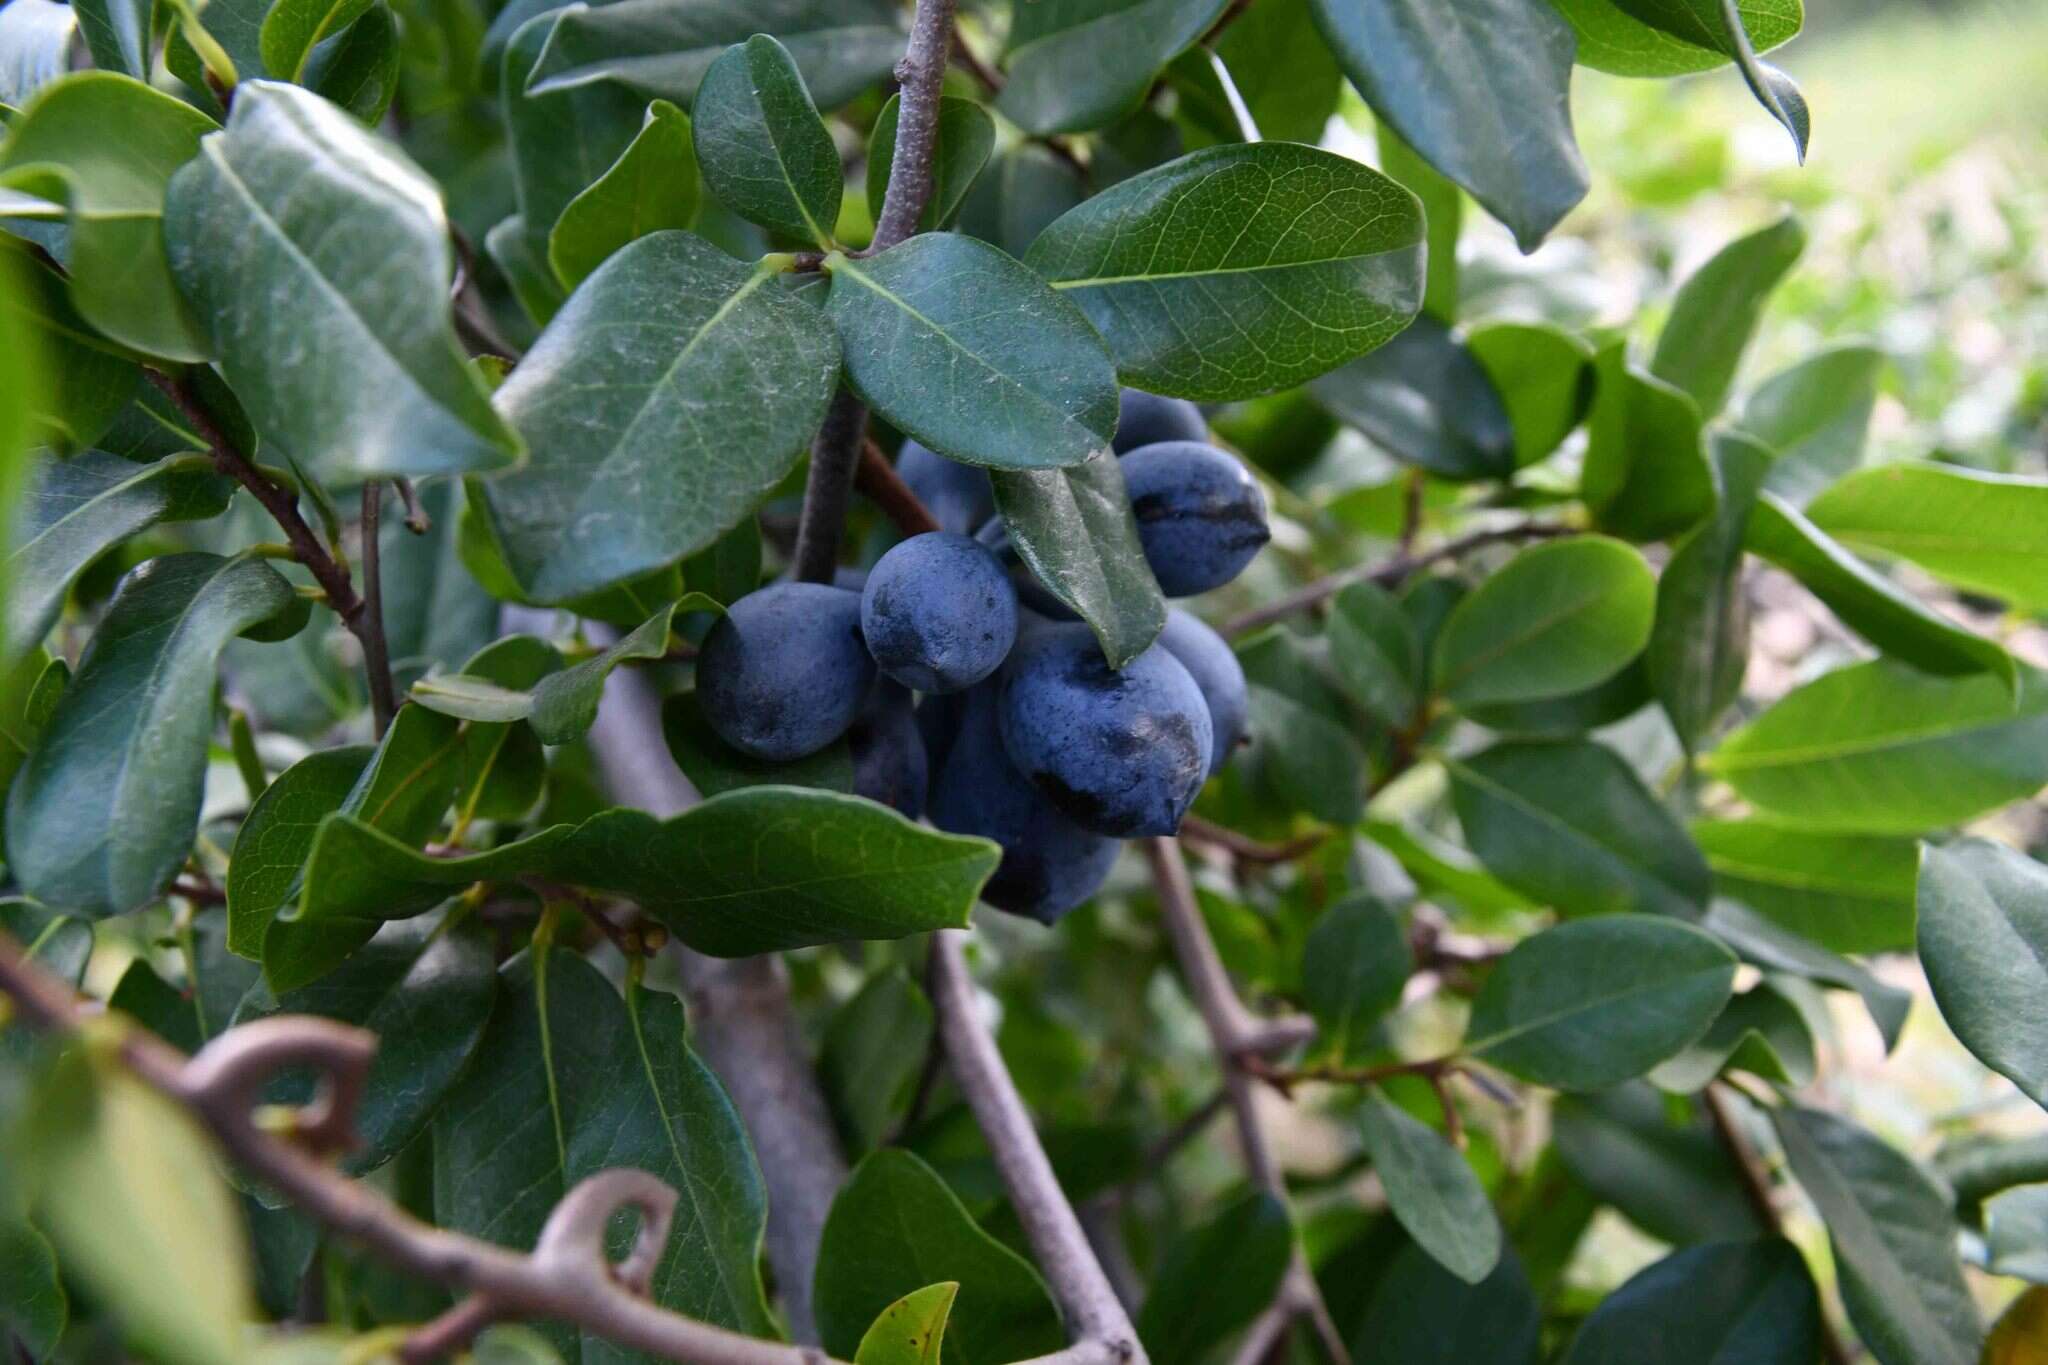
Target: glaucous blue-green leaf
{"points": [[1771, 946], [104, 811], [763, 149], [435, 613], [1716, 311], [2015, 1244], [1983, 937], [1852, 893], [1814, 416], [1421, 1314], [873, 1051], [966, 136], [1672, 37], [1077, 65], [1425, 400], [296, 199], [1719, 1304], [713, 766], [1481, 89], [1657, 1160], [1699, 643], [651, 187], [1353, 966], [1765, 1031], [1443, 212], [117, 34], [961, 347], [1882, 748], [60, 943], [1238, 270], [1777, 92], [895, 1227], [570, 1080], [1026, 189], [1965, 526], [1646, 474], [1074, 530], [664, 47], [1543, 376], [1867, 602], [1216, 1278], [562, 143], [425, 989], [1375, 653], [33, 1305], [912, 1330], [664, 401], [35, 46], [521, 257], [1595, 1002], [77, 509], [113, 189], [1894, 1240], [1431, 1190], [1558, 618]]}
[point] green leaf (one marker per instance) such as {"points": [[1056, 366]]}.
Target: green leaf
{"points": [[295, 200], [1882, 748], [113, 189], [1353, 966], [1239, 270], [1431, 1189], [1671, 37], [1777, 92], [764, 151], [1983, 938], [662, 48], [1375, 652], [570, 1080], [1283, 70], [1481, 90], [1216, 1278], [1852, 893], [1074, 530], [1815, 415], [1699, 645], [966, 136], [117, 34], [651, 187], [1646, 474], [663, 402], [1657, 1161], [1768, 945], [33, 1305], [104, 811], [1027, 188], [1753, 1302], [971, 354], [35, 46], [1558, 618], [277, 834], [562, 143], [60, 943], [232, 29], [1443, 211], [875, 1046], [435, 613], [521, 257], [1421, 1314], [1894, 1240], [2016, 1237], [294, 28], [1716, 310], [715, 767], [1764, 1031], [1425, 400], [910, 1331], [1312, 763], [425, 988], [1544, 376], [1964, 526], [895, 1227], [1074, 67], [1595, 1002]]}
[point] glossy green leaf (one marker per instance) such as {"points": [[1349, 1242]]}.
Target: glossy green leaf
{"points": [[104, 811], [1312, 763], [1431, 1190], [1983, 937], [1777, 92], [912, 1330], [1769, 945], [1727, 1302], [764, 151], [895, 1227], [1481, 90], [1025, 190], [80, 385], [521, 257], [294, 28], [1882, 748], [571, 1080], [309, 203], [1574, 713], [59, 942], [270, 849], [435, 613], [875, 1047], [1216, 1278], [662, 403], [1544, 377], [562, 143], [1074, 66], [1595, 1002], [117, 34], [1657, 1161], [1716, 311], [1425, 400], [1421, 1314], [1852, 893], [1671, 37], [1558, 618], [966, 136], [1893, 1237], [713, 766], [231, 28], [1353, 966], [1964, 526], [1375, 652], [1815, 416], [1699, 644], [113, 189], [1074, 530], [967, 351], [33, 1305], [1443, 211], [651, 187], [2016, 1236], [1327, 266], [1283, 70], [1646, 474], [1763, 1031]]}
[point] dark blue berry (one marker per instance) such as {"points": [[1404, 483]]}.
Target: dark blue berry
{"points": [[1213, 665], [1144, 419], [957, 495], [785, 671], [938, 612], [1201, 515], [889, 762]]}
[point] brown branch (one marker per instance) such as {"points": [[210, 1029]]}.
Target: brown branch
{"points": [[199, 892], [1246, 849], [987, 76], [828, 488], [565, 1278], [921, 73], [877, 481], [416, 519], [376, 652]]}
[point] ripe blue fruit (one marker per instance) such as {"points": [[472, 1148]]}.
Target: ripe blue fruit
{"points": [[1213, 664], [785, 671], [1050, 864], [889, 762], [1144, 419], [938, 612], [957, 495], [1119, 753], [1201, 515]]}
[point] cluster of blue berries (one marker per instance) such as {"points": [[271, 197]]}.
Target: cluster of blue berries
{"points": [[971, 696]]}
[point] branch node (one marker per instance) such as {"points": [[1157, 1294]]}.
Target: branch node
{"points": [[571, 1246], [228, 1075]]}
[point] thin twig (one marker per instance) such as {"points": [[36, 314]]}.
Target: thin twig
{"points": [[987, 76], [877, 481], [376, 652], [416, 519], [199, 892], [1246, 849]]}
